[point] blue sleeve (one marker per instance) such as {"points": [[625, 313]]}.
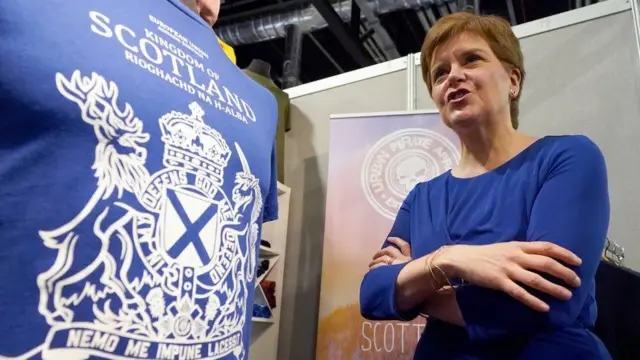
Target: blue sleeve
{"points": [[377, 291], [571, 210], [271, 200]]}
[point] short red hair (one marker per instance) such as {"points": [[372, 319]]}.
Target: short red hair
{"points": [[494, 30]]}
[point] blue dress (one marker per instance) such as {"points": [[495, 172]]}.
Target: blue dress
{"points": [[555, 190], [136, 169]]}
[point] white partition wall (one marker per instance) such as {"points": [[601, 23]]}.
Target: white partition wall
{"points": [[306, 174], [583, 77]]}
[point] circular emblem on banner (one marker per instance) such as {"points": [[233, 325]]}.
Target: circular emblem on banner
{"points": [[400, 160]]}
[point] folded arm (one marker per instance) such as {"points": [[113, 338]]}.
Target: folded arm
{"points": [[398, 292], [572, 211]]}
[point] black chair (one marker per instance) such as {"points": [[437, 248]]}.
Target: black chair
{"points": [[618, 323]]}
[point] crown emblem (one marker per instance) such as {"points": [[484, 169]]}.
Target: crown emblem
{"points": [[193, 145]]}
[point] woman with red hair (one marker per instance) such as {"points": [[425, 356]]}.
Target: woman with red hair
{"points": [[501, 251]]}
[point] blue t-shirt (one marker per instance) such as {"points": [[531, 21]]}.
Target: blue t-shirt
{"points": [[556, 191], [136, 168]]}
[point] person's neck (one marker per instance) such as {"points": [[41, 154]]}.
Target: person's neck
{"points": [[487, 147]]}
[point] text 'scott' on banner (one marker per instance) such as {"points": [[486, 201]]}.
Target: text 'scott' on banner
{"points": [[374, 161]]}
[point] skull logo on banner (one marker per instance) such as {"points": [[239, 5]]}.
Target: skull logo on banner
{"points": [[413, 170]]}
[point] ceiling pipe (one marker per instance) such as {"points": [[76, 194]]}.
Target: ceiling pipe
{"points": [[272, 26], [512, 13], [293, 57], [388, 47]]}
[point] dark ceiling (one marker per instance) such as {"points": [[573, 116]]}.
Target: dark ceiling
{"points": [[333, 43]]}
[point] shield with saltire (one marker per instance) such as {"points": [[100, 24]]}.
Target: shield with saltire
{"points": [[189, 228]]}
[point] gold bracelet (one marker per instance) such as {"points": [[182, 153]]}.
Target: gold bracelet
{"points": [[451, 286], [430, 266], [427, 264]]}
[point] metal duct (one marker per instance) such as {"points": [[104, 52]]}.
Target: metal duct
{"points": [[272, 26], [468, 6], [386, 43], [293, 56]]}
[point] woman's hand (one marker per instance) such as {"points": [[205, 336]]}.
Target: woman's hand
{"points": [[441, 305], [502, 266], [390, 255]]}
